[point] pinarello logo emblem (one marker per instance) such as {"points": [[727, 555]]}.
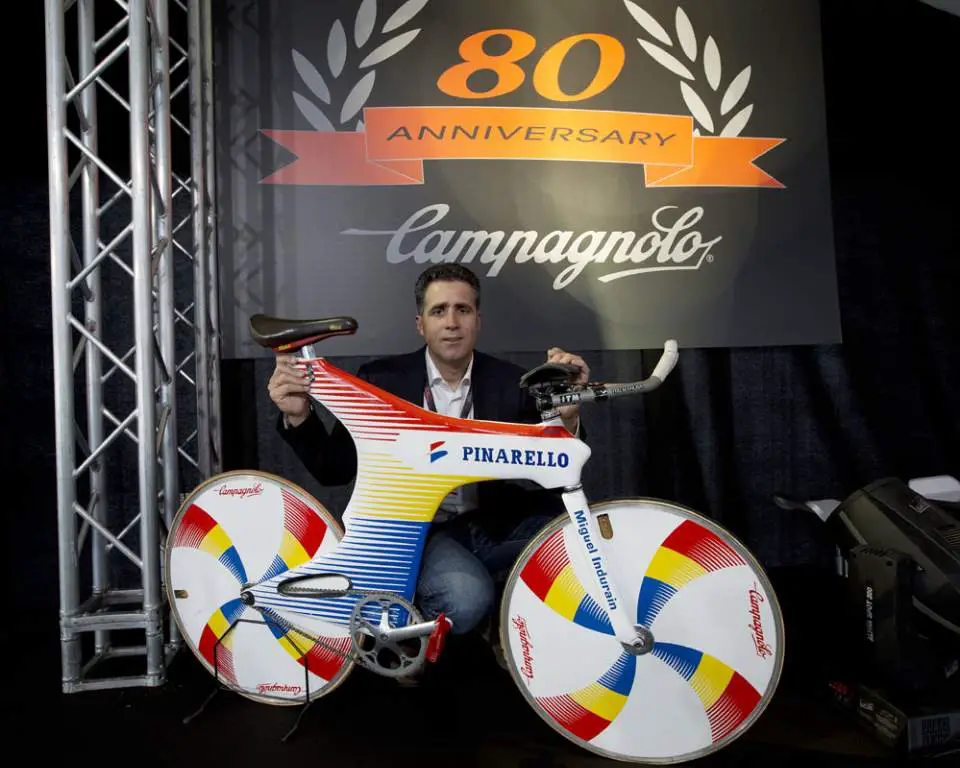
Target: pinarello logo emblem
{"points": [[436, 450]]}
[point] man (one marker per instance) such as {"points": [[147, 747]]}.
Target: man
{"points": [[480, 529]]}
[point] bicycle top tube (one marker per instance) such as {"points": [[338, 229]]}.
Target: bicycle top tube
{"points": [[397, 438], [391, 433], [552, 392]]}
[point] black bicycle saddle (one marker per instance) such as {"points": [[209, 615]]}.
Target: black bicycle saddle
{"points": [[282, 334]]}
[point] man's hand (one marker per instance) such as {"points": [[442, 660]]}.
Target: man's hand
{"points": [[570, 413], [288, 388]]}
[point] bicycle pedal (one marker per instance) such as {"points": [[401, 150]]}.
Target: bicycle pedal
{"points": [[438, 637]]}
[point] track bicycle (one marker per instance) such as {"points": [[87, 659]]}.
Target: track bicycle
{"points": [[636, 628]]}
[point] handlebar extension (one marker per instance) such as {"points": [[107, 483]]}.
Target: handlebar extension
{"points": [[602, 391]]}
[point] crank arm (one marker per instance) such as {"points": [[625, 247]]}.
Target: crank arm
{"points": [[435, 630], [413, 630]]}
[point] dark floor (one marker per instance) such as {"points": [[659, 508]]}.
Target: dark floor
{"points": [[467, 713]]}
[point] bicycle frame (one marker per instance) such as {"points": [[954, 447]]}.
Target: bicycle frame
{"points": [[703, 615], [408, 459]]}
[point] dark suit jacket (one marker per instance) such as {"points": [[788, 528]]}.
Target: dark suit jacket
{"points": [[332, 457]]}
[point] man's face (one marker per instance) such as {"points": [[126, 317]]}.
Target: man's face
{"points": [[450, 320]]}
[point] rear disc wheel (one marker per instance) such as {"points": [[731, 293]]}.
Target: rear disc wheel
{"points": [[234, 530]]}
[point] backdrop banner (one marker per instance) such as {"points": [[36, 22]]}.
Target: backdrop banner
{"points": [[616, 172]]}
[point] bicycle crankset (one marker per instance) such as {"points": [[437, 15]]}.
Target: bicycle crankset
{"points": [[392, 651]]}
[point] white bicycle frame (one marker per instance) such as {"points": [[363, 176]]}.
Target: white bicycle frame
{"points": [[332, 602], [409, 458]]}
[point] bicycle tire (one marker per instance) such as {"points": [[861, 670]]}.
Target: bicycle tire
{"points": [[235, 527], [717, 625]]}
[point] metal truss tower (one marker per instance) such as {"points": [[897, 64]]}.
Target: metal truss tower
{"points": [[135, 316]]}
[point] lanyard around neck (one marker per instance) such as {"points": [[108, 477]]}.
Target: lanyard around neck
{"points": [[431, 404]]}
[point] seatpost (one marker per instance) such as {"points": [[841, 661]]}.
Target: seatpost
{"points": [[307, 352]]}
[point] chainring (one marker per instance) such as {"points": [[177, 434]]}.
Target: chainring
{"points": [[373, 650]]}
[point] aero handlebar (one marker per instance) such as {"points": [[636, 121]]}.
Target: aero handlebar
{"points": [[601, 391]]}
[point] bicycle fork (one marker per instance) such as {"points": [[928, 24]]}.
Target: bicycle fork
{"points": [[635, 639]]}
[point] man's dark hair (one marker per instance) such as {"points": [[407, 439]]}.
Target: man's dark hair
{"points": [[445, 272]]}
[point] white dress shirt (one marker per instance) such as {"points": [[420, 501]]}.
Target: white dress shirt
{"points": [[449, 401]]}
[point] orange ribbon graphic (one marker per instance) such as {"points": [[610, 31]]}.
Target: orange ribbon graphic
{"points": [[397, 140]]}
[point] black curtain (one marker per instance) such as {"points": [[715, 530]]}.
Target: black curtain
{"points": [[731, 427], [734, 426]]}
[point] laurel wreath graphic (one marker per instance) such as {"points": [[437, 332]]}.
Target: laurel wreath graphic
{"points": [[364, 24], [712, 71]]}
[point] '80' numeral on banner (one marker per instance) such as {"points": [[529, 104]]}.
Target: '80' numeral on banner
{"points": [[546, 73]]}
